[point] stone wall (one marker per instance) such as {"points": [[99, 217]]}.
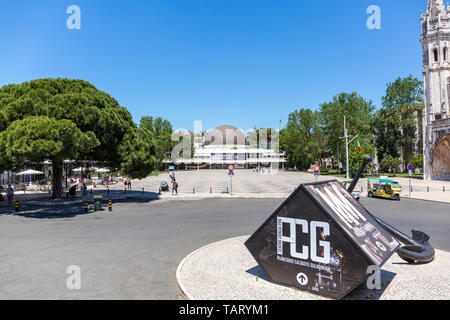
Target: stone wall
{"points": [[441, 159]]}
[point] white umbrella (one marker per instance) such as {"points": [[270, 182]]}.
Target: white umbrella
{"points": [[102, 170], [28, 172]]}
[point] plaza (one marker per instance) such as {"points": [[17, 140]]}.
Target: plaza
{"points": [[134, 251]]}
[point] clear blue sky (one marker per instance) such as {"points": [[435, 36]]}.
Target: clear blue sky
{"points": [[241, 62]]}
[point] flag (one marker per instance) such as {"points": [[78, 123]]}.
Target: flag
{"points": [[358, 145]]}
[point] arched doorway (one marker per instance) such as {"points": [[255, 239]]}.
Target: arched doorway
{"points": [[441, 159]]}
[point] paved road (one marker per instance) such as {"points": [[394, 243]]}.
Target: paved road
{"points": [[133, 252]]}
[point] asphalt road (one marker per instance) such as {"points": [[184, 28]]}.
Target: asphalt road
{"points": [[133, 252]]}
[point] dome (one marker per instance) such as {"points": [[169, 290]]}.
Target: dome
{"points": [[225, 135]]}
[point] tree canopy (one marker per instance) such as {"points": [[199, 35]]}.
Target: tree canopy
{"points": [[75, 118], [397, 123], [358, 113], [302, 139], [161, 130]]}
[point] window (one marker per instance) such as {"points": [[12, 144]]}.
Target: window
{"points": [[436, 55]]}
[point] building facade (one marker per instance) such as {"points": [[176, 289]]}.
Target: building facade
{"points": [[435, 40], [227, 145]]}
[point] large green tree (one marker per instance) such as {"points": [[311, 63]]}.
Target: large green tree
{"points": [[302, 138], [38, 137], [162, 133], [358, 113], [98, 123], [397, 122]]}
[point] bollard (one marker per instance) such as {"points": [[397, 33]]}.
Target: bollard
{"points": [[428, 189], [86, 207], [142, 190], [210, 190], [17, 206], [227, 190], [193, 190], [443, 189], [107, 192], [159, 190], [110, 205]]}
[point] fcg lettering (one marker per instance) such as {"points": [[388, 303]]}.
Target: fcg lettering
{"points": [[307, 251]]}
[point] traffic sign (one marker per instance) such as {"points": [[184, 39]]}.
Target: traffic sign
{"points": [[316, 174], [410, 167], [410, 173], [231, 167], [231, 173], [316, 168]]}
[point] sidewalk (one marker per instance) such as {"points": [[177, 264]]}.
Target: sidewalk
{"points": [[432, 190], [245, 184]]}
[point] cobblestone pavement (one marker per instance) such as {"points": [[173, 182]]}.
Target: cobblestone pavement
{"points": [[218, 181], [225, 270], [246, 183]]}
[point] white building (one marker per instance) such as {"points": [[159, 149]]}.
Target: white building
{"points": [[435, 41], [227, 145]]}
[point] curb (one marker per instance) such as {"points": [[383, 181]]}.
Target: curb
{"points": [[180, 266]]}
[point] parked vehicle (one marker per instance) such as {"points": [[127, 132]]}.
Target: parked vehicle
{"points": [[383, 188]]}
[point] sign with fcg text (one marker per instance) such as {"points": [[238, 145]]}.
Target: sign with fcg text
{"points": [[321, 240]]}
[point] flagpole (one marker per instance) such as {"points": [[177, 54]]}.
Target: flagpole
{"points": [[347, 143]]}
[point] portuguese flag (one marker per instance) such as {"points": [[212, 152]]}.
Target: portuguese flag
{"points": [[358, 145]]}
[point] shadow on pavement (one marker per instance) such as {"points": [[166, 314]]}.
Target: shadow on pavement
{"points": [[66, 208], [360, 293]]}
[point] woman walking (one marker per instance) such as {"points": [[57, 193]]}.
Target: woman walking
{"points": [[10, 195], [84, 192]]}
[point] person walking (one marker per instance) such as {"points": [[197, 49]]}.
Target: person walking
{"points": [[84, 192], [73, 191], [175, 186], [10, 195]]}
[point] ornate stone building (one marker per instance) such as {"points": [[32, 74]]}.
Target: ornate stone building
{"points": [[435, 41]]}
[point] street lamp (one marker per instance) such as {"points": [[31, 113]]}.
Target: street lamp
{"points": [[347, 143]]}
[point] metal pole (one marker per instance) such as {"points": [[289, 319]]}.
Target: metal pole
{"points": [[409, 187], [346, 147], [231, 181]]}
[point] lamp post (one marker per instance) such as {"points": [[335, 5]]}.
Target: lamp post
{"points": [[347, 143]]}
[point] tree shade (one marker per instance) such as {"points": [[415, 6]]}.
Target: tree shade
{"points": [[61, 119]]}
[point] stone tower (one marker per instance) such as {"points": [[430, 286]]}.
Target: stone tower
{"points": [[435, 41]]}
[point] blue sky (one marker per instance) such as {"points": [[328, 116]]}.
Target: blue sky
{"points": [[241, 62]]}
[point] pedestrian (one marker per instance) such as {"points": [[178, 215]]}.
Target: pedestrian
{"points": [[73, 191], [125, 182], [175, 186], [129, 183], [84, 192], [10, 195]]}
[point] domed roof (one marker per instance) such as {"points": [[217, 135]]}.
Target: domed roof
{"points": [[225, 135]]}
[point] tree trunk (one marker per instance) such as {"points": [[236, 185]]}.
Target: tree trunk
{"points": [[57, 179]]}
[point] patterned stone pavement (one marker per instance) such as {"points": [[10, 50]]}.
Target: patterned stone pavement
{"points": [[243, 182], [225, 270], [247, 183]]}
